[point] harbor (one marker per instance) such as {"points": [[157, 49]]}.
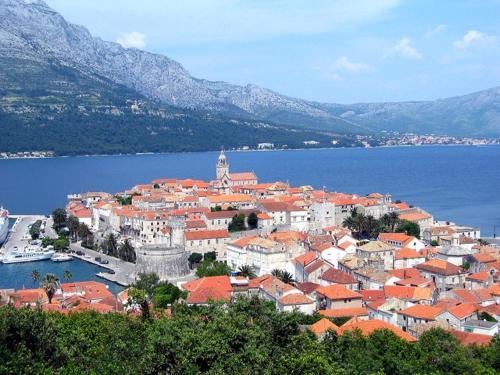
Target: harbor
{"points": [[84, 267]]}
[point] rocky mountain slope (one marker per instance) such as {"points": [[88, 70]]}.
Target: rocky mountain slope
{"points": [[32, 33]]}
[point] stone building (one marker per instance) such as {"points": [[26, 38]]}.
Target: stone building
{"points": [[170, 260]]}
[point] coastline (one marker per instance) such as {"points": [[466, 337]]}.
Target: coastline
{"points": [[252, 150]]}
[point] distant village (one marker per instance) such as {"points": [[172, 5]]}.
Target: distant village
{"points": [[375, 262]]}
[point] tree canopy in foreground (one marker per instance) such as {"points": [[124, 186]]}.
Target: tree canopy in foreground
{"points": [[248, 337]]}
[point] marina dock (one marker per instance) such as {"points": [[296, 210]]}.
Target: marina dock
{"points": [[124, 271]]}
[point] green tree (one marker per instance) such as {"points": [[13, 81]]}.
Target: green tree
{"points": [[237, 224], [35, 276], [165, 294], [390, 220], [195, 258], [60, 219], [73, 226], [62, 243], [49, 283], [110, 245], [283, 275], [209, 268], [67, 275], [126, 252], [253, 220], [434, 243], [409, 227], [210, 256], [247, 271], [147, 282]]}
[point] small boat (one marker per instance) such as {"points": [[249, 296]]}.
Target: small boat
{"points": [[61, 257]]}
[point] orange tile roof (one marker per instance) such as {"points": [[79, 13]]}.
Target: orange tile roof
{"points": [[414, 216], [422, 312], [230, 198], [479, 276], [296, 299], [406, 253], [463, 310], [243, 176], [337, 276], [405, 273], [397, 237], [336, 292], [469, 338], [345, 312], [209, 288], [440, 267], [243, 241], [206, 234], [368, 326], [322, 326], [407, 292], [306, 258]]}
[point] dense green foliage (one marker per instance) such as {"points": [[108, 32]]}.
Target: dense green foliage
{"points": [[366, 226], [249, 337], [35, 230], [409, 227], [212, 268]]}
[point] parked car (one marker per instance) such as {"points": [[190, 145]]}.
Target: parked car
{"points": [[98, 259], [79, 252], [111, 271], [104, 261]]}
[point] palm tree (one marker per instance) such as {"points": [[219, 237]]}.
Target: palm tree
{"points": [[67, 276], [247, 271], [282, 275], [35, 276], [390, 220], [50, 283]]}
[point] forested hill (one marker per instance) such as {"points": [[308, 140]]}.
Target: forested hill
{"points": [[63, 89], [49, 106]]}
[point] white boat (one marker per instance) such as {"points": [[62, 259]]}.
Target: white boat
{"points": [[61, 257], [4, 225], [31, 253]]}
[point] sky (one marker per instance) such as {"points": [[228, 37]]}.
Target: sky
{"points": [[343, 51]]}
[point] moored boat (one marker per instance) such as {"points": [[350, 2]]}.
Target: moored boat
{"points": [[60, 257], [31, 253], [4, 225]]}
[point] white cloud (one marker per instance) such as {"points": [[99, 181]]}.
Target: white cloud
{"points": [[403, 48], [132, 40], [472, 38], [343, 65], [435, 30]]}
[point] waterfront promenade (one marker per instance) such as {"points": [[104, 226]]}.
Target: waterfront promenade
{"points": [[124, 271], [19, 233]]}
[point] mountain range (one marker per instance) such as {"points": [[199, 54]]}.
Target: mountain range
{"points": [[59, 84]]}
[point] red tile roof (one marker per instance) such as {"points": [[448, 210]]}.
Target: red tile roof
{"points": [[422, 312], [334, 275], [440, 267], [368, 326], [336, 292], [206, 234], [322, 326], [345, 312], [469, 338], [295, 299], [463, 310]]}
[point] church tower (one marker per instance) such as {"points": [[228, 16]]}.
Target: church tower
{"points": [[222, 169]]}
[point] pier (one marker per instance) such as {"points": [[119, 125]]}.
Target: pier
{"points": [[124, 271]]}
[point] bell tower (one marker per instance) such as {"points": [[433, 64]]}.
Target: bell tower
{"points": [[222, 168]]}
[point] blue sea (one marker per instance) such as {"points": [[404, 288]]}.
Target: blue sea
{"points": [[457, 183], [18, 275]]}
